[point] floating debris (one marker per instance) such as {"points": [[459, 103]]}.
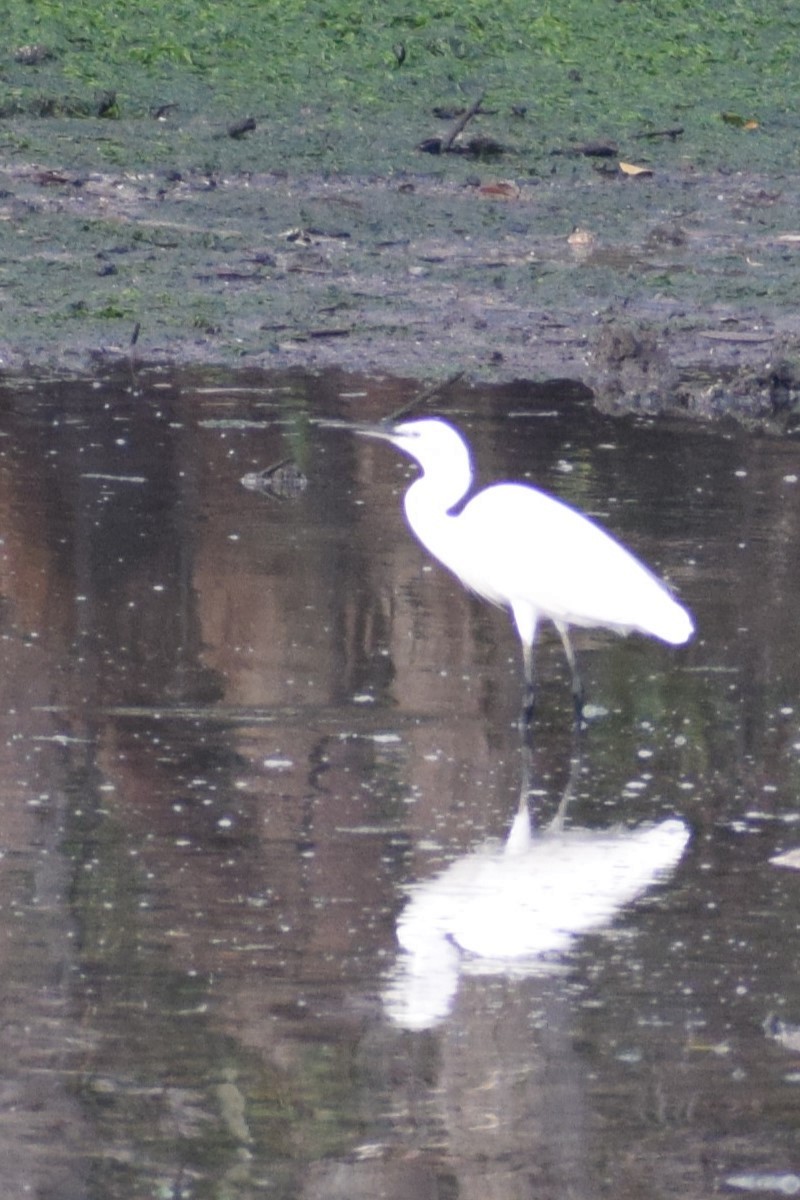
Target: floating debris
{"points": [[283, 481]]}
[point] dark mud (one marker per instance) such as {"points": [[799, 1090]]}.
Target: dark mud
{"points": [[673, 292]]}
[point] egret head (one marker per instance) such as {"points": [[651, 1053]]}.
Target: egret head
{"points": [[432, 442]]}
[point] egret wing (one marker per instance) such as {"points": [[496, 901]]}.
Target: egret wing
{"points": [[519, 545]]}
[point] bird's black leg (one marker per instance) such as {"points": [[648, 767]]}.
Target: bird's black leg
{"points": [[578, 694], [528, 707], [525, 728]]}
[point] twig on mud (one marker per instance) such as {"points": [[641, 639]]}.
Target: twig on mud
{"points": [[672, 134], [460, 124], [442, 145]]}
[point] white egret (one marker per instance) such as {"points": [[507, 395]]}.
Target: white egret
{"points": [[528, 552]]}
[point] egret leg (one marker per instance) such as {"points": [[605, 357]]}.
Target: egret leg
{"points": [[578, 694], [529, 694], [525, 730], [526, 620]]}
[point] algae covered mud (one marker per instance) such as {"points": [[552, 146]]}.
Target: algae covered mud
{"points": [[245, 186]]}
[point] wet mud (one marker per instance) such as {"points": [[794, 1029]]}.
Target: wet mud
{"points": [[672, 292]]}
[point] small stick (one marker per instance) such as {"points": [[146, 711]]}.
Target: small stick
{"points": [[424, 397], [463, 120], [673, 133]]}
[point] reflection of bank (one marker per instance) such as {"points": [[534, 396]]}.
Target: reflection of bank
{"points": [[509, 908]]}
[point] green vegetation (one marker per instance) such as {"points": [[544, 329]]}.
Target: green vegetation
{"points": [[579, 67]]}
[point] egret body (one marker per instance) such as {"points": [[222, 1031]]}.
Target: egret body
{"points": [[528, 552]]}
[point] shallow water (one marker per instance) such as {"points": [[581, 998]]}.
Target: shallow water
{"points": [[240, 734]]}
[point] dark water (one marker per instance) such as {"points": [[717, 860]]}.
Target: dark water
{"points": [[242, 733]]}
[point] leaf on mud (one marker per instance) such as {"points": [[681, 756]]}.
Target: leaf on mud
{"points": [[739, 122], [635, 171], [501, 189], [792, 238], [580, 238]]}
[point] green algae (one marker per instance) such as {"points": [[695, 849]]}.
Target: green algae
{"points": [[126, 202], [353, 85]]}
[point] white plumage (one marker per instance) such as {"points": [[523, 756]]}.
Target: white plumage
{"points": [[527, 551], [515, 908]]}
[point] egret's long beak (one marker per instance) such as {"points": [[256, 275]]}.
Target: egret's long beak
{"points": [[384, 432], [378, 429]]}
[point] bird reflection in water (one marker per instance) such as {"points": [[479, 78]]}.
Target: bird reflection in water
{"points": [[514, 907]]}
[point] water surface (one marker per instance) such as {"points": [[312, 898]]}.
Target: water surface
{"points": [[241, 732]]}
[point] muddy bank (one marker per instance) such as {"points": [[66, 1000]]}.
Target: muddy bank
{"points": [[676, 291]]}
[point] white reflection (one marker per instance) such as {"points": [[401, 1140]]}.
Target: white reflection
{"points": [[511, 907]]}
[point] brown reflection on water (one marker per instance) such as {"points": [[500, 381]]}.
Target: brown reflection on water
{"points": [[236, 728]]}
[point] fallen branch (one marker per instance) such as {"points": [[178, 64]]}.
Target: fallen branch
{"points": [[461, 123], [442, 145]]}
